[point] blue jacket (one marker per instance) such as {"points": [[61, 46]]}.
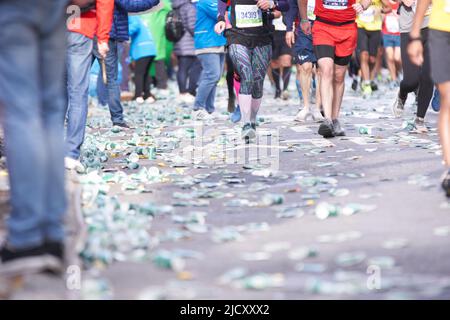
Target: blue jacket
{"points": [[205, 37], [119, 29], [142, 44]]}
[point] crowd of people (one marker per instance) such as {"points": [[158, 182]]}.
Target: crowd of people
{"points": [[199, 41]]}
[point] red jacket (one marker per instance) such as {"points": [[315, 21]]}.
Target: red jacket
{"points": [[95, 22]]}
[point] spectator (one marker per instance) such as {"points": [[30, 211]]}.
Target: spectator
{"points": [[32, 100], [210, 50], [189, 67], [142, 52], [155, 22]]}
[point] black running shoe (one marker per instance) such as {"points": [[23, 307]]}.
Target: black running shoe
{"points": [[326, 129], [254, 125], [122, 125], [446, 183], [355, 85], [374, 86], [277, 94]]}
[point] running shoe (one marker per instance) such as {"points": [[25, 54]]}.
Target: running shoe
{"points": [[373, 86], [326, 129], [248, 133], [398, 107], [150, 100], [436, 102], [236, 115], [139, 100], [366, 90], [419, 125], [73, 164], [285, 95], [254, 125], [446, 182], [338, 131], [277, 94], [355, 85], [303, 115], [392, 85], [317, 115], [200, 114]]}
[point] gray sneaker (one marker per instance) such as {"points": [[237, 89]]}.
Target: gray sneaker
{"points": [[338, 131], [398, 107], [326, 129], [248, 133]]}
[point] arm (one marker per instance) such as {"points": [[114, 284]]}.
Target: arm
{"points": [[190, 16], [104, 12], [136, 5], [222, 9], [291, 15], [415, 47], [210, 9], [386, 6]]}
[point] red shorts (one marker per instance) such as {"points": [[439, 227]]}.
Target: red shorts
{"points": [[342, 38]]}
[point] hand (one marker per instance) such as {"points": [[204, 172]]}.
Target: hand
{"points": [[219, 27], [358, 8], [408, 3], [264, 4], [415, 52], [306, 27], [290, 38], [103, 49]]}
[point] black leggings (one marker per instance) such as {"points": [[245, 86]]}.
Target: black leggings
{"points": [[230, 76], [141, 78], [415, 77]]}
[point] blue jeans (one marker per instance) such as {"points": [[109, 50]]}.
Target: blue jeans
{"points": [[103, 90], [33, 103], [212, 66], [81, 52]]}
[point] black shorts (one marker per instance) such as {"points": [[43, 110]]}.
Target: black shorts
{"points": [[279, 45], [439, 44], [369, 41], [325, 51]]}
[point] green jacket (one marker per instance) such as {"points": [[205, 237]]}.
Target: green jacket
{"points": [[156, 22]]}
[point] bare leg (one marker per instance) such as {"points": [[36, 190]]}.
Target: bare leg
{"points": [[305, 82], [326, 66], [338, 89], [444, 121], [365, 69], [391, 63]]}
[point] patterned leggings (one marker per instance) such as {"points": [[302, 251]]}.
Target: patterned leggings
{"points": [[251, 66]]}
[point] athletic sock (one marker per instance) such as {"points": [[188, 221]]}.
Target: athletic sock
{"points": [[256, 103], [245, 103], [286, 77], [276, 78]]}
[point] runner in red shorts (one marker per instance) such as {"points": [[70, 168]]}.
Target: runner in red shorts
{"points": [[334, 39]]}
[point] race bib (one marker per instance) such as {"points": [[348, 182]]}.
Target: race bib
{"points": [[335, 4], [279, 25], [248, 16], [310, 10], [367, 16], [392, 24]]}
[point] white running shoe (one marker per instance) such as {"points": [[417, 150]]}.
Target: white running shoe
{"points": [[285, 95], [73, 164], [317, 115], [303, 115], [139, 100], [200, 114], [150, 100]]}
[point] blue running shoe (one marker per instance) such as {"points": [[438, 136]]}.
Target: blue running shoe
{"points": [[236, 115], [436, 102]]}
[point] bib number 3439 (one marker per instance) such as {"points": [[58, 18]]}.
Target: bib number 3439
{"points": [[248, 16]]}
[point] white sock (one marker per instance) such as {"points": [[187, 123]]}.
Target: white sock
{"points": [[245, 102], [256, 103]]}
